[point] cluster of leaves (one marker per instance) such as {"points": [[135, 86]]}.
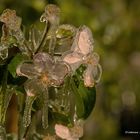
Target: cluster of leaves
{"points": [[53, 73]]}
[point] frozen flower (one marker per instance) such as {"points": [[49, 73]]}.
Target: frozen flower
{"points": [[42, 73], [11, 32], [82, 53], [11, 20], [51, 14], [45, 70]]}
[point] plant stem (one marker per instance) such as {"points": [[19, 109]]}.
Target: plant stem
{"points": [[47, 26], [2, 96]]}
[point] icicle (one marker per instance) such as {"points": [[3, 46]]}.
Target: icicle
{"points": [[27, 110], [45, 109]]}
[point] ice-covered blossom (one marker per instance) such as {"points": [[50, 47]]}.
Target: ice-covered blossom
{"points": [[42, 73], [44, 70], [82, 53]]}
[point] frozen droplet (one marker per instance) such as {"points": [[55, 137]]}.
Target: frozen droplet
{"points": [[43, 18], [27, 110]]}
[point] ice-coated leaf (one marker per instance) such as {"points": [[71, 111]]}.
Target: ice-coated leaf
{"points": [[84, 96], [15, 62]]}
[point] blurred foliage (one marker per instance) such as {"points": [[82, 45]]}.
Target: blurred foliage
{"points": [[116, 29]]}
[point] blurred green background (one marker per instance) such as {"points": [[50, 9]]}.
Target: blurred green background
{"points": [[116, 30]]}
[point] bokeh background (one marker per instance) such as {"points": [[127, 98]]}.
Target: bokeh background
{"points": [[116, 30]]}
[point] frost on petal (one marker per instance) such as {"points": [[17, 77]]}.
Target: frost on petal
{"points": [[92, 75], [27, 70], [43, 61], [62, 131], [73, 59], [83, 42], [58, 73]]}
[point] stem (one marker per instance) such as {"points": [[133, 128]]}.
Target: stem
{"points": [[52, 41], [3, 108], [43, 37]]}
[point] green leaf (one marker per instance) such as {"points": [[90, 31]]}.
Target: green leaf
{"points": [[15, 62], [85, 97]]}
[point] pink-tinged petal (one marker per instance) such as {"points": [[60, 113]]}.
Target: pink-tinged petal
{"points": [[43, 61], [88, 77], [73, 133], [73, 59], [59, 72], [62, 131], [92, 75], [28, 70], [83, 42]]}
